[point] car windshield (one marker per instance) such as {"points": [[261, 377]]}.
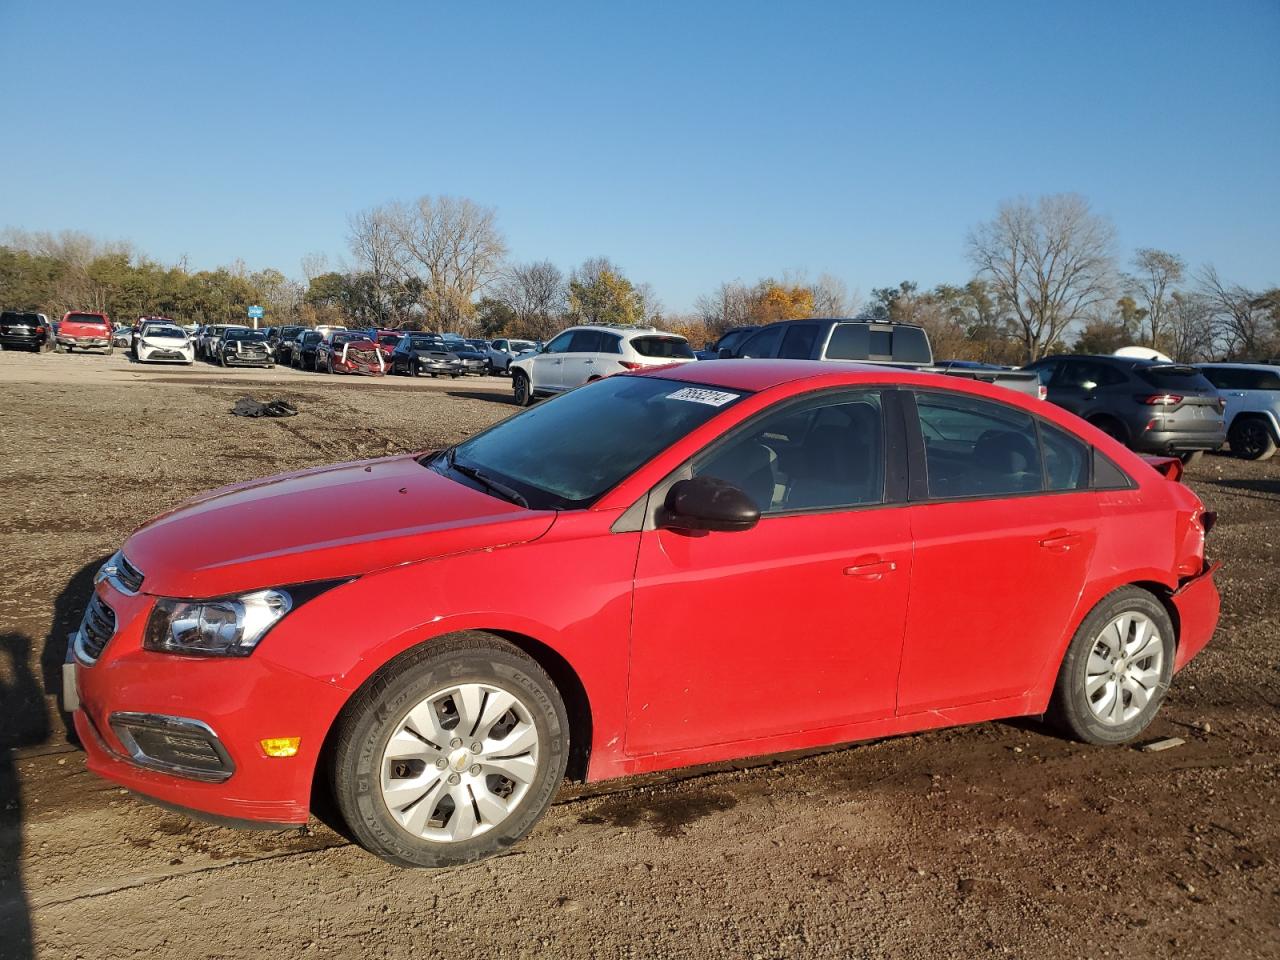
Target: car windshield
{"points": [[169, 333], [246, 334], [478, 344], [519, 345], [567, 452], [425, 343]]}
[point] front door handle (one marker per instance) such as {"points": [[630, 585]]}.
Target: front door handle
{"points": [[870, 568], [1060, 541]]}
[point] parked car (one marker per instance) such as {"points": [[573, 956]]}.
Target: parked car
{"points": [[386, 341], [140, 330], [474, 360], [352, 352], [82, 330], [1152, 407], [122, 337], [1251, 394], [325, 329], [164, 343], [729, 341], [582, 354], [210, 338], [280, 339], [503, 350], [869, 341], [242, 347], [26, 330], [302, 354], [700, 563], [419, 354]]}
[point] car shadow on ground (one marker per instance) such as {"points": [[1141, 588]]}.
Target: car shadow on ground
{"points": [[24, 722], [1267, 486], [68, 608], [491, 396]]}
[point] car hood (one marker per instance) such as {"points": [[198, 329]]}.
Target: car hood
{"points": [[322, 524]]}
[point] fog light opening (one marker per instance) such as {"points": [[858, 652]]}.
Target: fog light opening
{"points": [[281, 746]]}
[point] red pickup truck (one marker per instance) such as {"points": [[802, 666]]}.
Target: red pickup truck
{"points": [[88, 331]]}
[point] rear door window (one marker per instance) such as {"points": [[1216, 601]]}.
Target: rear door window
{"points": [[978, 448], [585, 341]]}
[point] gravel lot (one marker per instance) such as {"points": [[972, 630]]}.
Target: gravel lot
{"points": [[999, 839]]}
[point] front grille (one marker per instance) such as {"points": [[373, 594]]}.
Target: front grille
{"points": [[368, 358], [129, 576], [96, 629], [254, 353]]}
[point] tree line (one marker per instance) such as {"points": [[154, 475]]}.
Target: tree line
{"points": [[1045, 280]]}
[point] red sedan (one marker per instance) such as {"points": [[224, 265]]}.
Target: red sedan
{"points": [[666, 568]]}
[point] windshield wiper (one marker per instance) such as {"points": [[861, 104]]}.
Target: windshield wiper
{"points": [[496, 486]]}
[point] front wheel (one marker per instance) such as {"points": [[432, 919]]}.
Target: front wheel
{"points": [[521, 389], [450, 753], [1117, 669]]}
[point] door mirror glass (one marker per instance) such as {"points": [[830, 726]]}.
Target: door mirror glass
{"points": [[708, 503], [725, 353]]}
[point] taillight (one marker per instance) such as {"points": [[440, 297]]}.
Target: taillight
{"points": [[630, 365], [1161, 400], [1043, 392]]}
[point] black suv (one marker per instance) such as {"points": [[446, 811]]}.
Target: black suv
{"points": [[302, 351], [281, 340], [30, 330], [1150, 406]]}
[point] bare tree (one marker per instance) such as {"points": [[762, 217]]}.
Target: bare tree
{"points": [[374, 243], [830, 297], [1190, 326], [1156, 272], [730, 306], [1244, 317], [1048, 263], [314, 264], [454, 247], [535, 294]]}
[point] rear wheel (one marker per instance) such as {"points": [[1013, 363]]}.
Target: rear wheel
{"points": [[521, 389], [450, 753], [1190, 457], [1112, 427], [1251, 439], [1117, 669], [109, 351]]}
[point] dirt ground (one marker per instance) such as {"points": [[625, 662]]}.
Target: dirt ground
{"points": [[999, 839]]}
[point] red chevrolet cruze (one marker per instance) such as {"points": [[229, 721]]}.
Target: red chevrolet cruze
{"points": [[658, 569]]}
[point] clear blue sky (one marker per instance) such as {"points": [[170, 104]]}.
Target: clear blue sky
{"points": [[692, 143]]}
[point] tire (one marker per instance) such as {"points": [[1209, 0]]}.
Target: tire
{"points": [[1093, 717], [110, 350], [1251, 439], [1113, 428], [429, 682], [222, 359], [521, 389], [417, 371], [1190, 457]]}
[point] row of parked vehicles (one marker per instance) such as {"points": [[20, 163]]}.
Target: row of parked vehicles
{"points": [[1149, 404]]}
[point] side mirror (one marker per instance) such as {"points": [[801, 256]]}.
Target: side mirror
{"points": [[724, 353], [708, 503]]}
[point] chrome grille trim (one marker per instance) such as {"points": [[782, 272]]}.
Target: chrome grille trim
{"points": [[96, 630], [128, 577]]}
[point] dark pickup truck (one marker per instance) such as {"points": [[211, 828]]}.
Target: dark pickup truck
{"points": [[869, 341]]}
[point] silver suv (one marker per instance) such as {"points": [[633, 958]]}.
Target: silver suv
{"points": [[1252, 394], [582, 354]]}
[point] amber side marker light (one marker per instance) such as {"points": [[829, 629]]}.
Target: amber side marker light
{"points": [[280, 746]]}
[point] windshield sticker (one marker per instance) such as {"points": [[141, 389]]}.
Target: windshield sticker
{"points": [[712, 398]]}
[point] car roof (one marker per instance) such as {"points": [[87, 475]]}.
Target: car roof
{"points": [[757, 375], [1241, 364]]}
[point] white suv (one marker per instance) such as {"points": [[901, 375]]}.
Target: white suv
{"points": [[582, 354]]}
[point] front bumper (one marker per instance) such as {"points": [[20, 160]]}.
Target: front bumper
{"points": [[475, 366], [211, 706], [437, 366], [166, 355]]}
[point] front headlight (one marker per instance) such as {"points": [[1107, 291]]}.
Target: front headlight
{"points": [[228, 627]]}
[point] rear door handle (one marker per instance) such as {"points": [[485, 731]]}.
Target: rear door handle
{"points": [[1060, 540], [870, 568]]}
